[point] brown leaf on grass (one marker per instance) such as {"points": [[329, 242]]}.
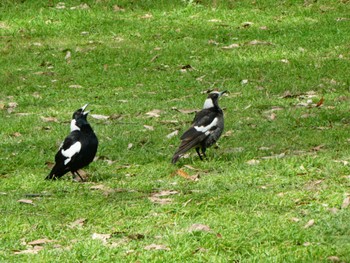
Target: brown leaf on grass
{"points": [[117, 8], [320, 102], [318, 148], [186, 68], [16, 134], [154, 113], [156, 247], [48, 119], [295, 219], [99, 117], [78, 223], [68, 56], [102, 237], [247, 24], [2, 106], [334, 259], [105, 189], [148, 127], [333, 210], [313, 184], [274, 156], [160, 201], [26, 201], [310, 223], [346, 202], [258, 42], [12, 105], [185, 111], [271, 117], [41, 241], [172, 134], [253, 162], [232, 46], [199, 227], [185, 175], [147, 16], [33, 250], [75, 86], [165, 193]]}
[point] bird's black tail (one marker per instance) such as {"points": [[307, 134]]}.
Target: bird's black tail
{"points": [[56, 172], [184, 147]]}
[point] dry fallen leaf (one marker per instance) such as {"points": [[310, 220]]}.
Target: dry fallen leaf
{"points": [[26, 201], [172, 134], [185, 111], [253, 162], [199, 227], [68, 56], [319, 104], [117, 8], [48, 119], [16, 134], [247, 24], [310, 223], [160, 201], [33, 250], [185, 175], [78, 223], [99, 117], [40, 242], [147, 16], [165, 193], [102, 237], [232, 46], [148, 127], [75, 86], [154, 113], [346, 202], [156, 247], [334, 259], [258, 42]]}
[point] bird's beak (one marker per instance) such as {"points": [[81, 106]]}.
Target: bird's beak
{"points": [[84, 107], [222, 92]]}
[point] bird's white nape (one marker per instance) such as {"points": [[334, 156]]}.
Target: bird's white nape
{"points": [[208, 103], [73, 126]]}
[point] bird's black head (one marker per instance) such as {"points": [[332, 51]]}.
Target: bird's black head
{"points": [[212, 99], [79, 118], [80, 113]]}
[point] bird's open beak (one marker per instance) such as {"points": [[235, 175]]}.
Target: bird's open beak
{"points": [[83, 109], [222, 92]]}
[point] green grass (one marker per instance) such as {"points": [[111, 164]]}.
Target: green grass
{"points": [[129, 63]]}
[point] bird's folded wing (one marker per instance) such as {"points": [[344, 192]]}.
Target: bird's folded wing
{"points": [[70, 147]]}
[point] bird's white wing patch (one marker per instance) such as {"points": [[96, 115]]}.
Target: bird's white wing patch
{"points": [[206, 129], [71, 151], [73, 126]]}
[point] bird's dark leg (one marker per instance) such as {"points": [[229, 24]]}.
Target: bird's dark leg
{"points": [[76, 172], [199, 154], [203, 152]]}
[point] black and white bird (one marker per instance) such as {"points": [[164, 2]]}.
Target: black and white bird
{"points": [[205, 130], [78, 149]]}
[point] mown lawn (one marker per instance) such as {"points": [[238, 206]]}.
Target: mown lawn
{"points": [[275, 189]]}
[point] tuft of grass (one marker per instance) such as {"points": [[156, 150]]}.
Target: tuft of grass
{"points": [[282, 162]]}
